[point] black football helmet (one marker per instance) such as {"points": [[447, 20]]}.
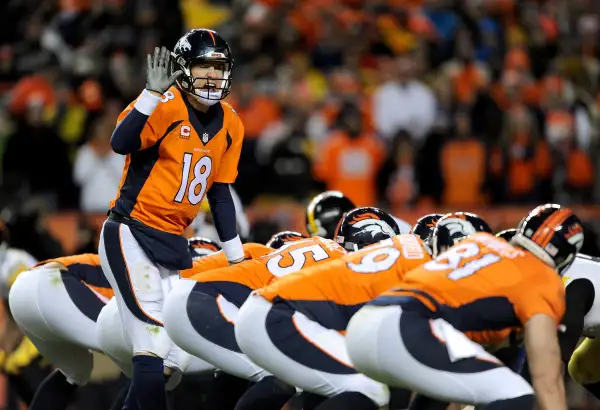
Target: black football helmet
{"points": [[453, 228], [425, 225], [202, 46], [282, 238], [507, 234], [365, 226], [200, 247], [552, 233], [324, 213]]}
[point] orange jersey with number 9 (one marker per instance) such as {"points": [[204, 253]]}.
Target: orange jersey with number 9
{"points": [[331, 293], [181, 155], [484, 287]]}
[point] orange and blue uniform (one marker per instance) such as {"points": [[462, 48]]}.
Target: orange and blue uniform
{"points": [[176, 155], [84, 270], [483, 287], [236, 282], [180, 154], [179, 158], [200, 313], [331, 293]]}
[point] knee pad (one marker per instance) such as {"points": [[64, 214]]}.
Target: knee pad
{"points": [[584, 365]]}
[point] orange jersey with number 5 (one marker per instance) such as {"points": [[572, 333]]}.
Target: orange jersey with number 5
{"points": [[181, 155], [331, 293], [484, 287], [259, 272]]}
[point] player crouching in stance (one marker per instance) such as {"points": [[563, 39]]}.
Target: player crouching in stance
{"points": [[427, 334], [581, 319], [293, 328], [182, 143], [200, 313], [56, 304]]}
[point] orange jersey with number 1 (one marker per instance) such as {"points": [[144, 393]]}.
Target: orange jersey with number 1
{"points": [[484, 287], [180, 157], [331, 293]]}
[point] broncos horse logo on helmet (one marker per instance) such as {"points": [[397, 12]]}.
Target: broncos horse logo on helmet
{"points": [[453, 228], [202, 47], [365, 226], [282, 238], [200, 247]]}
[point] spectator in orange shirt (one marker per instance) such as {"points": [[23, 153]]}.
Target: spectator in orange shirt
{"points": [[463, 164], [349, 160]]}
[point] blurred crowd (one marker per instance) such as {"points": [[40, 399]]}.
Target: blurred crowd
{"points": [[397, 103], [394, 102]]}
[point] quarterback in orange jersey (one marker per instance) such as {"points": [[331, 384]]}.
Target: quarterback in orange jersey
{"points": [[428, 333], [112, 333], [294, 328], [200, 313], [182, 143], [56, 304]]}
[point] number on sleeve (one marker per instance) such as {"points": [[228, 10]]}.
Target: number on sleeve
{"points": [[202, 170], [167, 96], [298, 257], [378, 260], [452, 259]]}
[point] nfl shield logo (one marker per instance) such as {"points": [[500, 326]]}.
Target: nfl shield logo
{"points": [[205, 137]]}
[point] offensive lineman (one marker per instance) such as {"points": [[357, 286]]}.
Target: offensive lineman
{"points": [[182, 143], [581, 319], [432, 328]]}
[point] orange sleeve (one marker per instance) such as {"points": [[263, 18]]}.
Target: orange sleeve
{"points": [[256, 250], [204, 264], [228, 168], [157, 123], [543, 294]]}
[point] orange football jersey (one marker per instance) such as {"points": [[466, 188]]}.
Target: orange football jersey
{"points": [[163, 183], [85, 267], [332, 292], [484, 287], [218, 260], [286, 260]]}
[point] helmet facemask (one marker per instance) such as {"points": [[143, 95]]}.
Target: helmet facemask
{"points": [[187, 82]]}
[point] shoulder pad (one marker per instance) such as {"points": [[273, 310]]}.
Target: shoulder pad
{"points": [[226, 104]]}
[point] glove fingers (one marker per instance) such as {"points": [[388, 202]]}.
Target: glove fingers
{"points": [[149, 69], [163, 57], [175, 76], [156, 57]]}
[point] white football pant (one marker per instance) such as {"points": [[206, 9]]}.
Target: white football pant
{"points": [[61, 331], [211, 336], [115, 343], [428, 356], [300, 351]]}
